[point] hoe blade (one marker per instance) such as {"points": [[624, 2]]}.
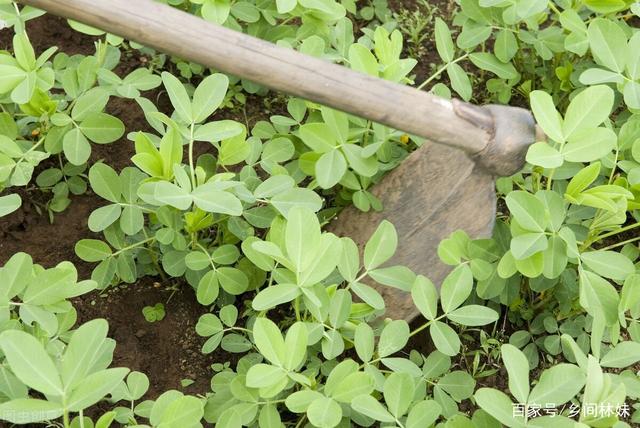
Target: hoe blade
{"points": [[434, 192]]}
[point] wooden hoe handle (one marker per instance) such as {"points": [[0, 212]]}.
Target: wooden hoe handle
{"points": [[496, 136]]}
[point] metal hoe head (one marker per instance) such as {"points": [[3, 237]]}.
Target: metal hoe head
{"points": [[438, 190]]}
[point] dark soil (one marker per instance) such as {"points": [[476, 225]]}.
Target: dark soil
{"points": [[168, 351]]}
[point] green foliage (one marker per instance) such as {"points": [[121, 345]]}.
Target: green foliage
{"points": [[237, 213]]}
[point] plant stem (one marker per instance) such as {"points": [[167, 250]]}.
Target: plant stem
{"points": [[588, 243], [137, 244], [441, 70], [192, 168], [620, 244]]}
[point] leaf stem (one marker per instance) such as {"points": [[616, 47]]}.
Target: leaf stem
{"points": [[620, 244], [440, 71], [588, 243]]}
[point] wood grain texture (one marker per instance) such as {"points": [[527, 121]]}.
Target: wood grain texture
{"points": [[178, 33], [434, 192]]}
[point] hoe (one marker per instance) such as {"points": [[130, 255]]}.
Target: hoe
{"points": [[445, 185]]}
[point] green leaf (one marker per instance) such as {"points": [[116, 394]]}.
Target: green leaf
{"points": [[92, 250], [444, 338], [137, 384], [583, 179], [588, 109], [299, 401], [459, 81], [498, 405], [633, 61], [425, 297], [76, 147], [398, 393], [596, 76], [285, 6], [208, 288], [589, 144], [393, 338], [400, 277], [9, 204], [366, 166], [472, 35], [23, 51], [284, 201], [527, 210], [105, 182], [459, 384], [95, 387], [10, 77], [506, 46], [517, 367], [456, 288], [330, 168], [275, 295], [208, 325], [632, 94], [29, 410], [318, 137], [295, 343], [352, 386], [624, 354], [546, 115], [218, 130], [233, 281], [525, 245], [444, 43], [324, 413], [629, 297], [131, 220], [102, 128], [234, 150], [349, 263], [544, 155], [92, 101], [269, 340], [609, 264], [340, 308], [15, 275], [104, 217], [211, 200], [178, 96], [302, 237], [170, 194], [558, 384], [361, 59], [598, 297], [555, 257], [489, 62], [364, 342], [208, 96], [423, 414], [369, 406], [608, 44], [186, 411], [338, 122], [381, 246], [216, 11], [30, 362], [473, 315]]}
